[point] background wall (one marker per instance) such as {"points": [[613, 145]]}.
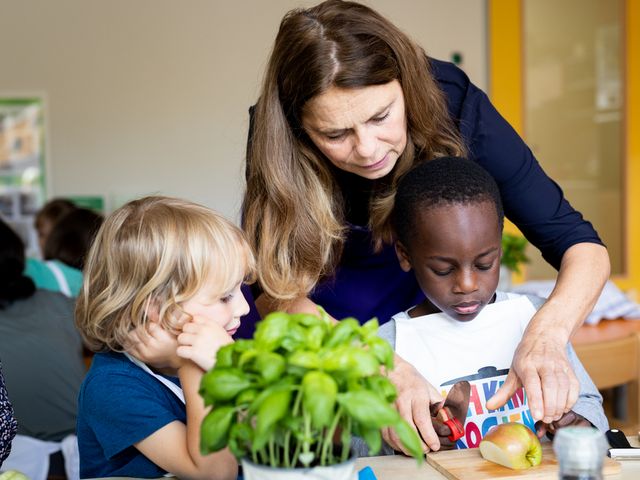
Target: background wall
{"points": [[151, 96]]}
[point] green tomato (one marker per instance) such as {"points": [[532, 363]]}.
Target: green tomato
{"points": [[13, 475]]}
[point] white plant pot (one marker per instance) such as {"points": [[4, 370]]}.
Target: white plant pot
{"points": [[342, 471]]}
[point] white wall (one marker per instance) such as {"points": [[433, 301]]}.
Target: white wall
{"points": [[151, 96]]}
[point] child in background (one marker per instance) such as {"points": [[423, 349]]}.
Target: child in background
{"points": [[168, 273], [47, 217], [448, 221], [70, 239], [65, 233]]}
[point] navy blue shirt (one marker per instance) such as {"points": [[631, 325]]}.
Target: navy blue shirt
{"points": [[119, 405], [368, 284]]}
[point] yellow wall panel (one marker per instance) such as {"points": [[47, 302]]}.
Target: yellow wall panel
{"points": [[631, 281], [506, 90]]}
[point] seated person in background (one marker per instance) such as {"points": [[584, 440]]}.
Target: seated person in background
{"points": [[55, 278], [161, 295], [47, 217], [64, 251], [448, 221], [40, 348], [8, 425], [71, 237]]}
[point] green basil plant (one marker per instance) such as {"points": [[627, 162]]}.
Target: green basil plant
{"points": [[295, 394], [513, 251]]}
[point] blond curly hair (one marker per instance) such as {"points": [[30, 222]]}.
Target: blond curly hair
{"points": [[160, 251]]}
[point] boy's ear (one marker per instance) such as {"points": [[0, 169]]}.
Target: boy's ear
{"points": [[403, 257]]}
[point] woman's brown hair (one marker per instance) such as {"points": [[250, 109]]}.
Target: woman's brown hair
{"points": [[293, 209]]}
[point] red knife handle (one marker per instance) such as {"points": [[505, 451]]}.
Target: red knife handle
{"points": [[457, 429]]}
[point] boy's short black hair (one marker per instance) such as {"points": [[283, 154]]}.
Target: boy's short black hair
{"points": [[441, 181]]}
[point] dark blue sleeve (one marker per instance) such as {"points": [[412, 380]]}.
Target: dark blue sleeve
{"points": [[532, 200]]}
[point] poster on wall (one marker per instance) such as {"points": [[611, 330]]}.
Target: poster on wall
{"points": [[22, 175]]}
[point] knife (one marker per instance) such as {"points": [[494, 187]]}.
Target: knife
{"points": [[452, 412]]}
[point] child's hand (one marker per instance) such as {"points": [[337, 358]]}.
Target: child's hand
{"points": [[156, 347], [200, 341], [443, 431], [570, 418]]}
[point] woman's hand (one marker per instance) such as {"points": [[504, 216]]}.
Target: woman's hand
{"points": [[155, 346], [415, 395], [540, 362], [200, 341]]}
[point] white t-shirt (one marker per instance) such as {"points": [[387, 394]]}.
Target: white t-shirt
{"points": [[446, 351]]}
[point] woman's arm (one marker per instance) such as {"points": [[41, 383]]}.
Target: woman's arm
{"points": [[176, 446], [540, 363]]}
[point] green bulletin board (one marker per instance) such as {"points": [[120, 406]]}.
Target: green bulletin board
{"points": [[22, 172], [95, 203]]}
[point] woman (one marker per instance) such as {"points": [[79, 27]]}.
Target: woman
{"points": [[349, 104]]}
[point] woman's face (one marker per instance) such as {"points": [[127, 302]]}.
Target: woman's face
{"points": [[360, 130]]}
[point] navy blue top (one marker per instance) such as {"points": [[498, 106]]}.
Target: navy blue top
{"points": [[367, 284], [119, 405]]}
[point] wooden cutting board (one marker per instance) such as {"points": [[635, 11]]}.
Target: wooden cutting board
{"points": [[467, 464]]}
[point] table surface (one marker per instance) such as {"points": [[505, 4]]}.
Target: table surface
{"points": [[399, 467], [605, 330]]}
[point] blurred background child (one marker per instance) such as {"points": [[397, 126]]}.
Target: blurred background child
{"points": [[71, 237], [65, 233], [161, 295], [47, 217]]}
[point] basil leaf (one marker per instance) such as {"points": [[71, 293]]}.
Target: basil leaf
{"points": [[319, 393], [214, 430]]}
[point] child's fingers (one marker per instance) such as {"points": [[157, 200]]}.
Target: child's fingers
{"points": [[185, 351], [205, 360], [191, 327], [211, 329], [187, 338]]}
